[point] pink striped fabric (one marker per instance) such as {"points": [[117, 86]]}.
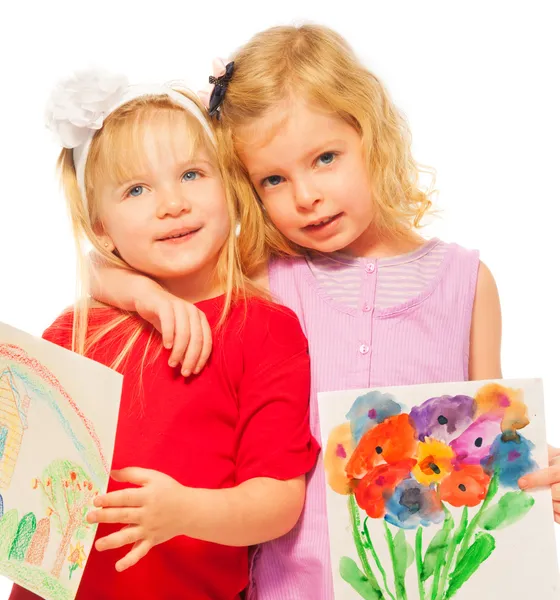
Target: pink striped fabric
{"points": [[421, 340]]}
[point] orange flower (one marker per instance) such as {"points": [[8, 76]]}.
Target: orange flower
{"points": [[495, 399], [73, 476], [466, 486], [49, 511], [434, 461], [391, 441], [340, 446], [34, 483], [48, 482], [378, 486]]}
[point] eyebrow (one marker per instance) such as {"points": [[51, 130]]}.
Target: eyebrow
{"points": [[316, 150]]}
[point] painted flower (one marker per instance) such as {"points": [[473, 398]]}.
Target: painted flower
{"points": [[369, 410], [507, 403], [474, 444], [412, 505], [76, 558], [465, 486], [340, 446], [444, 417], [510, 455], [434, 462], [392, 441], [378, 485]]}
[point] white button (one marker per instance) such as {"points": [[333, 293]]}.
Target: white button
{"points": [[370, 267], [366, 307], [364, 349]]}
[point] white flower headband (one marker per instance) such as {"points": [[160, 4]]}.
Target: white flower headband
{"points": [[78, 106]]}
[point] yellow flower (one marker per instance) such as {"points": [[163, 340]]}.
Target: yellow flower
{"points": [[77, 555], [434, 461], [340, 446], [496, 399]]}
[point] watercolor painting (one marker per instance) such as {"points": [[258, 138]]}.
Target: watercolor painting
{"points": [[58, 417], [422, 494]]}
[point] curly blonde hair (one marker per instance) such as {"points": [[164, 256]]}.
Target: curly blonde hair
{"points": [[316, 63]]}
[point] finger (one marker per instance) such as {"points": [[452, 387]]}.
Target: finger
{"points": [[182, 333], [557, 517], [556, 493], [166, 319], [139, 550], [131, 497], [195, 343], [134, 475], [542, 478], [126, 536], [553, 454], [126, 516], [206, 344]]}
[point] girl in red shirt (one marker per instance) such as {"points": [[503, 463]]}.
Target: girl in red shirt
{"points": [[207, 466]]}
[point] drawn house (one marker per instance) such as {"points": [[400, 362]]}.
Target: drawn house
{"points": [[13, 422]]}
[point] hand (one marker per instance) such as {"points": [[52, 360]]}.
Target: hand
{"points": [[549, 477], [150, 513], [183, 327]]}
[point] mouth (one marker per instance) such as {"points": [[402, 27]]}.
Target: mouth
{"points": [[322, 223], [178, 234]]}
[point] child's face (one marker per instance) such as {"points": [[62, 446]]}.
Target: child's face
{"points": [[311, 177], [170, 220]]}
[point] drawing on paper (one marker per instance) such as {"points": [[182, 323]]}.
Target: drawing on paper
{"points": [[58, 415], [428, 475]]}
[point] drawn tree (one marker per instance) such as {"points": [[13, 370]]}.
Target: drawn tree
{"points": [[36, 551], [26, 529], [68, 493], [8, 529]]}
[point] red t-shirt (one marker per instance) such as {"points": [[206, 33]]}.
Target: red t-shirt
{"points": [[245, 415]]}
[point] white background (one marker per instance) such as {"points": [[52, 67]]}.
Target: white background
{"points": [[478, 81]]}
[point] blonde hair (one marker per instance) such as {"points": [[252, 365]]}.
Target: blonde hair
{"points": [[317, 63], [120, 136]]}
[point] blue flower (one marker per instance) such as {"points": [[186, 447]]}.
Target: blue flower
{"points": [[413, 504], [369, 410], [510, 455]]}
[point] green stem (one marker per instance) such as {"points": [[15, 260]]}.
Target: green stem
{"points": [[355, 519], [448, 527], [399, 583], [449, 559], [492, 490], [419, 565], [376, 559]]}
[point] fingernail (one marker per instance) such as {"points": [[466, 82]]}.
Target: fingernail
{"points": [[166, 345], [523, 483], [185, 373], [172, 364]]}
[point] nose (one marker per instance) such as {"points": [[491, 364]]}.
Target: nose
{"points": [[172, 202], [306, 194]]}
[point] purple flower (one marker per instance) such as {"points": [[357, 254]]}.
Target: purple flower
{"points": [[510, 455], [444, 417], [413, 504], [370, 410], [474, 444]]}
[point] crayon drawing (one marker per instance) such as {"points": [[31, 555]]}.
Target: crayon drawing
{"points": [[58, 415], [422, 494]]}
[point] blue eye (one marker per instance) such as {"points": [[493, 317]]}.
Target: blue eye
{"points": [[326, 158], [190, 175], [136, 191], [272, 181]]}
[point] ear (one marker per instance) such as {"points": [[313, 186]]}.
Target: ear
{"points": [[106, 242]]}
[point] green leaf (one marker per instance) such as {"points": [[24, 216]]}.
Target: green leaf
{"points": [[511, 508], [404, 553], [477, 553], [351, 573], [434, 551]]}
